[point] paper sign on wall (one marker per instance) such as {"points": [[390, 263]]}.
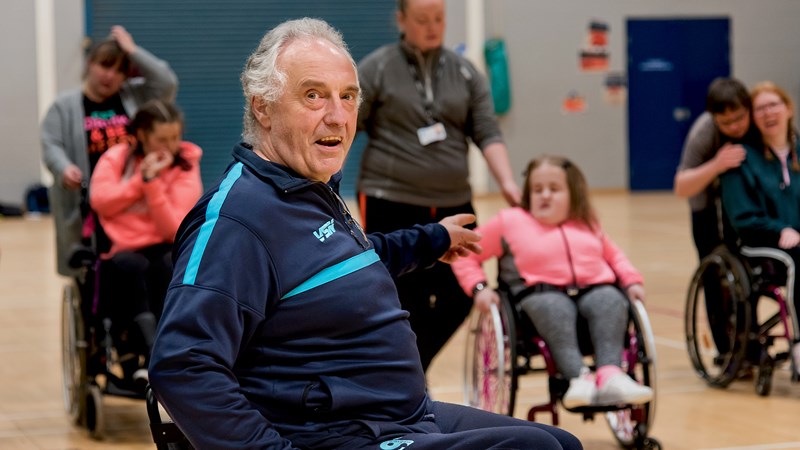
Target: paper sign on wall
{"points": [[594, 53]]}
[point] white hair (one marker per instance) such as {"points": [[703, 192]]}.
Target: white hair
{"points": [[263, 78]]}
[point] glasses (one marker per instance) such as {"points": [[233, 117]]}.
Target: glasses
{"points": [[762, 109], [733, 120]]}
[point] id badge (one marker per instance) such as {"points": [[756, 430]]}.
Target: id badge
{"points": [[431, 133]]}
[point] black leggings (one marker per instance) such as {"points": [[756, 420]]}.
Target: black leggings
{"points": [[706, 234], [133, 286]]}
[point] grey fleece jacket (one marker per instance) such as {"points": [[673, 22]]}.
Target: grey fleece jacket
{"points": [[395, 165]]}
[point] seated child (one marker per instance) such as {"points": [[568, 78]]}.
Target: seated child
{"points": [[570, 268]]}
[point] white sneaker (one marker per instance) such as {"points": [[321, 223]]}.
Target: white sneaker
{"points": [[581, 390], [141, 376], [622, 389]]}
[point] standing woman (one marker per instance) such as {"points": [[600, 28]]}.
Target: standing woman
{"points": [[83, 123], [762, 197], [422, 104], [141, 193]]}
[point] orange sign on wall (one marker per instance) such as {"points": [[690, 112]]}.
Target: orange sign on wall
{"points": [[594, 56]]}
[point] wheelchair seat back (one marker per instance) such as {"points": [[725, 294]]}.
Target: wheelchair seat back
{"points": [[512, 286]]}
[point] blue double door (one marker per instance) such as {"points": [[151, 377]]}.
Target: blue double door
{"points": [[671, 62]]}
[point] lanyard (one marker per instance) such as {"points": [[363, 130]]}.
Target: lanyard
{"points": [[424, 84]]}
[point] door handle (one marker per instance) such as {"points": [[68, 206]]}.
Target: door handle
{"points": [[681, 114]]}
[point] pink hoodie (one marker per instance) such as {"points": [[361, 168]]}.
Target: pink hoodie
{"points": [[135, 214], [540, 253]]}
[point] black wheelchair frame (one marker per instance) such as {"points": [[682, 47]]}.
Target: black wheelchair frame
{"points": [[91, 357], [166, 434], [502, 344], [726, 336]]}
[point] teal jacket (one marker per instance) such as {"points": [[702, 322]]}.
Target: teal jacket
{"points": [[758, 202]]}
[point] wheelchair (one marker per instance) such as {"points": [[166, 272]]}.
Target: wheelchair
{"points": [[752, 324], [166, 434], [502, 344], [98, 356]]}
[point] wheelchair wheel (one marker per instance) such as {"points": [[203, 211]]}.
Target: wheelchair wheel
{"points": [[632, 425], [73, 352], [717, 327], [490, 382], [95, 418], [766, 368]]}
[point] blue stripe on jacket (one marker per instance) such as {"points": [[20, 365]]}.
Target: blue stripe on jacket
{"points": [[335, 272], [212, 214]]}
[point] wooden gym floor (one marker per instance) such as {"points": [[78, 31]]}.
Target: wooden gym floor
{"points": [[652, 228]]}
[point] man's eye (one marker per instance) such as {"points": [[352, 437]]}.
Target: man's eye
{"points": [[312, 95]]}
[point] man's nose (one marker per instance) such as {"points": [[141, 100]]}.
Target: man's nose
{"points": [[336, 114]]}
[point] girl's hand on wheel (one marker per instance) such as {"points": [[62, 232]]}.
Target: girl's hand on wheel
{"points": [[636, 292], [485, 299]]}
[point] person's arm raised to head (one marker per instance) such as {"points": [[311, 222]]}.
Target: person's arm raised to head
{"points": [[159, 79]]}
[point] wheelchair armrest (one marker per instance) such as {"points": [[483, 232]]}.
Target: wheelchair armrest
{"points": [[81, 256], [786, 260], [166, 434], [769, 252]]}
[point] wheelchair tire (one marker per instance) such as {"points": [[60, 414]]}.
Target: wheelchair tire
{"points": [[765, 371], [631, 426], [95, 416], [718, 366], [490, 381], [73, 352]]}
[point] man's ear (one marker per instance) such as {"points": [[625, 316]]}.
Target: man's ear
{"points": [[260, 110]]}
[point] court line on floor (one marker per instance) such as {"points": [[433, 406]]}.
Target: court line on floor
{"points": [[783, 445], [662, 311], [671, 343]]}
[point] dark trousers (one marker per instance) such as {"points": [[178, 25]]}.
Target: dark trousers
{"points": [[706, 234], [133, 287], [447, 426], [432, 296]]}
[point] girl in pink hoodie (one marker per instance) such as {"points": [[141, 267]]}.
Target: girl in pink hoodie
{"points": [[140, 193], [566, 267]]}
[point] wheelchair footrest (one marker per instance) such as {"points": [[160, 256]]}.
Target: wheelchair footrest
{"points": [[113, 388]]}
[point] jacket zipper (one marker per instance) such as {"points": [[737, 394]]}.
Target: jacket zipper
{"points": [[572, 289], [349, 221]]}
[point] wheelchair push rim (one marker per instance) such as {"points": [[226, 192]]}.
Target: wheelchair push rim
{"points": [[73, 356], [631, 426], [489, 378], [719, 367]]}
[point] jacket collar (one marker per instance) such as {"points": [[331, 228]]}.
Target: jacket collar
{"points": [[412, 54], [280, 176]]}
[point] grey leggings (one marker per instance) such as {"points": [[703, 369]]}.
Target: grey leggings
{"points": [[555, 316]]}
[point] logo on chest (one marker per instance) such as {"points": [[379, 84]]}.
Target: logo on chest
{"points": [[325, 231]]}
